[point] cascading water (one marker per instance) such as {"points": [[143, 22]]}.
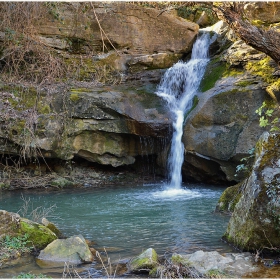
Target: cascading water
{"points": [[178, 87]]}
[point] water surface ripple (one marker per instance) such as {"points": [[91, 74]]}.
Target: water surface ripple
{"points": [[128, 219]]}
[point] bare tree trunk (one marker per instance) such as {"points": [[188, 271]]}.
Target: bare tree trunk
{"points": [[267, 41]]}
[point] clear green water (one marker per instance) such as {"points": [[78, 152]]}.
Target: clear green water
{"points": [[127, 220]]}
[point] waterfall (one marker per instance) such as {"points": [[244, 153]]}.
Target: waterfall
{"points": [[178, 87]]}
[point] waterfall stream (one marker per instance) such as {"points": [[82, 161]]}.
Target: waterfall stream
{"points": [[178, 87]]}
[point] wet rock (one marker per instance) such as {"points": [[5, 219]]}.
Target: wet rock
{"points": [[73, 250], [222, 37], [144, 262], [226, 265], [239, 53], [255, 221]]}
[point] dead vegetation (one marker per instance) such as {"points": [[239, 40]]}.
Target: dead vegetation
{"points": [[23, 56]]}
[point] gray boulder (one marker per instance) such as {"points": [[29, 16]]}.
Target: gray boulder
{"points": [[222, 129], [73, 250], [228, 265], [255, 221]]}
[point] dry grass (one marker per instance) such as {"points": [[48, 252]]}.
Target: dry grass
{"points": [[23, 56]]}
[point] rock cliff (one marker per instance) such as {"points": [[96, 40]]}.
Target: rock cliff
{"points": [[104, 110], [255, 220], [224, 126]]}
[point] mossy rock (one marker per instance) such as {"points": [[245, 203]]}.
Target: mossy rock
{"points": [[61, 183], [255, 222], [229, 198], [52, 227], [146, 261], [74, 97], [39, 236]]}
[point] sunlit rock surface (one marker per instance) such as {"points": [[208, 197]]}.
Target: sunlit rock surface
{"points": [[73, 250], [229, 265]]}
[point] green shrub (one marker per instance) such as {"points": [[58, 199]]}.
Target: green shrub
{"points": [[16, 242]]}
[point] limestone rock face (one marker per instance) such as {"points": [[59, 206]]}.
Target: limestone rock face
{"points": [[73, 250], [221, 129], [255, 220], [129, 27], [105, 125], [224, 126]]}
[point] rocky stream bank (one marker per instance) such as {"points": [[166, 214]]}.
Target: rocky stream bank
{"points": [[74, 256]]}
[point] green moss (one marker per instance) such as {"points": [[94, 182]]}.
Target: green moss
{"points": [[213, 73], [244, 83], [27, 98], [80, 90], [61, 183], [232, 72], [263, 69], [216, 70], [145, 260], [229, 198], [153, 272], [4, 186], [87, 69], [44, 109], [38, 235], [217, 274], [176, 258], [194, 104], [74, 97], [23, 275]]}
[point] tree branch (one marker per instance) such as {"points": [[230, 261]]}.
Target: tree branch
{"points": [[267, 42]]}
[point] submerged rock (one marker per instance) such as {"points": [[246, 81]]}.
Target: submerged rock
{"points": [[73, 250], [226, 265], [144, 262], [255, 222]]}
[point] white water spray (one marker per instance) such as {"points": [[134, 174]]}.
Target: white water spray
{"points": [[178, 87]]}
